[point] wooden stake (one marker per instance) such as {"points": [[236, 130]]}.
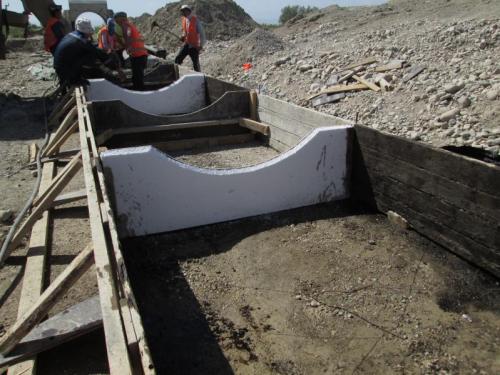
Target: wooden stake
{"points": [[340, 88], [254, 99], [47, 300]]}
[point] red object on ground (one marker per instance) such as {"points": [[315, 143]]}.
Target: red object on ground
{"points": [[247, 67]]}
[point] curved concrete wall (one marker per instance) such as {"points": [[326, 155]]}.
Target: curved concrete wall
{"points": [[186, 95], [155, 193]]}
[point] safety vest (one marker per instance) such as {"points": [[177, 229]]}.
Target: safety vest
{"points": [[50, 39], [135, 42], [192, 37], [105, 41]]}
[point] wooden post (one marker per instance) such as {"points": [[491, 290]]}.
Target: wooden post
{"points": [[255, 126], [47, 300], [254, 99]]}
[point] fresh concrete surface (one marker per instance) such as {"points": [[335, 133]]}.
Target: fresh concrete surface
{"points": [[155, 193], [184, 96]]}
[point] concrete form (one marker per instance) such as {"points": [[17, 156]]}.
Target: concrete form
{"points": [[155, 193], [186, 95]]}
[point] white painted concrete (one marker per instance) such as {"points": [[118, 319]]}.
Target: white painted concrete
{"points": [[155, 193], [186, 95]]}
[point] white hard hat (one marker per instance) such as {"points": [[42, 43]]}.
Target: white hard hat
{"points": [[84, 26], [185, 7]]}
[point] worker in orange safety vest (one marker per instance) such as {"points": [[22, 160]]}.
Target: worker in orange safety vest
{"points": [[54, 30], [193, 37], [134, 44], [106, 38]]}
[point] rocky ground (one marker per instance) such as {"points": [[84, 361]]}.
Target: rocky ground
{"points": [[456, 41]]}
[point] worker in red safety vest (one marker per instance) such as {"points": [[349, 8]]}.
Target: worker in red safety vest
{"points": [[134, 45], [193, 37], [106, 38], [54, 30]]}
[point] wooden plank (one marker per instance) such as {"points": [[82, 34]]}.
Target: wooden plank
{"points": [[52, 192], [68, 325], [63, 127], [367, 61], [414, 71], [255, 126], [472, 173], [325, 99], [34, 270], [484, 206], [136, 337], [71, 197], [59, 112], [161, 128], [63, 174], [350, 74], [116, 342], [204, 142], [47, 300], [391, 65], [369, 84], [444, 235], [339, 89], [56, 145]]}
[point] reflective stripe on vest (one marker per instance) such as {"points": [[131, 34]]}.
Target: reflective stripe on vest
{"points": [[190, 32], [135, 43], [49, 38]]}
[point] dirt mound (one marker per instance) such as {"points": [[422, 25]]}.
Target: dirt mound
{"points": [[222, 19], [260, 43]]}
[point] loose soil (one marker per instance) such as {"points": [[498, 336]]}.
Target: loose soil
{"points": [[326, 289]]}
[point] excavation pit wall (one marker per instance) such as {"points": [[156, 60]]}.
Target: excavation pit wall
{"points": [[263, 293]]}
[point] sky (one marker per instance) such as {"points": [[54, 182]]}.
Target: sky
{"points": [[263, 11]]}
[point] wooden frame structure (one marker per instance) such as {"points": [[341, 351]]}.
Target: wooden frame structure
{"points": [[126, 345]]}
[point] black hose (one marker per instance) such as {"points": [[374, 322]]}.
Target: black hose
{"points": [[4, 254]]}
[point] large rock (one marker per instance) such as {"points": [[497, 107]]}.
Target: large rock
{"points": [[448, 115]]}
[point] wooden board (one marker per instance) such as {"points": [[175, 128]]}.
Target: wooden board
{"points": [[367, 61], [414, 71], [115, 114], [71, 197], [47, 300], [369, 84], [453, 200], [325, 99], [339, 89], [34, 271], [206, 142], [391, 65], [73, 322], [116, 342], [255, 126], [136, 337]]}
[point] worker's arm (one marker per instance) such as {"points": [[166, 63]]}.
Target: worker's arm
{"points": [[58, 30], [200, 30]]}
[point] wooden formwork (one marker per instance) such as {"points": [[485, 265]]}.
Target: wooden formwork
{"points": [[126, 345]]}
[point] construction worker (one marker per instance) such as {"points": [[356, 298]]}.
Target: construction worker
{"points": [[54, 30], [193, 37], [134, 44], [77, 59], [106, 38]]}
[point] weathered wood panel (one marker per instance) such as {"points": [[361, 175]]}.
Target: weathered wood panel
{"points": [[449, 198], [217, 88], [116, 115], [290, 123]]}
